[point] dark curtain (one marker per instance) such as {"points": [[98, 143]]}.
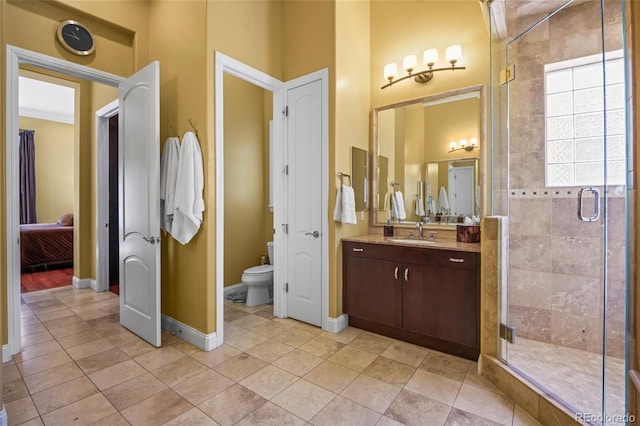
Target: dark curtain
{"points": [[27, 177]]}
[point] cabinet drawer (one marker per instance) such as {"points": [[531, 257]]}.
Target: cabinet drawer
{"points": [[455, 259], [376, 251], [423, 256]]}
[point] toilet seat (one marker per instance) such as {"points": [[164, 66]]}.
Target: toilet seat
{"points": [[259, 270]]}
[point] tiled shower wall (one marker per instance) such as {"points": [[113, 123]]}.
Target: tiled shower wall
{"points": [[556, 262]]}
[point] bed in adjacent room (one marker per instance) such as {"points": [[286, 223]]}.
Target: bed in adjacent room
{"points": [[44, 244]]}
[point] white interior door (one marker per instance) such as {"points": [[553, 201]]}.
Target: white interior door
{"points": [[305, 213], [139, 203], [461, 190]]}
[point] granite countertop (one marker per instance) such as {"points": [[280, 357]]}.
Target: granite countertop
{"points": [[442, 244]]}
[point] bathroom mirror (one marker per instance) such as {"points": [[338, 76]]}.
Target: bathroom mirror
{"points": [[412, 140], [359, 177]]}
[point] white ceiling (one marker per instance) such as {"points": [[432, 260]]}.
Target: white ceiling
{"points": [[46, 101]]}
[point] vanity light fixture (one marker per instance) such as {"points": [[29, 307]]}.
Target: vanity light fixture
{"points": [[453, 54], [469, 145]]}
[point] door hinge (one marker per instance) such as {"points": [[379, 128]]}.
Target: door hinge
{"points": [[286, 287], [285, 170], [508, 74], [508, 333], [285, 111], [285, 228]]}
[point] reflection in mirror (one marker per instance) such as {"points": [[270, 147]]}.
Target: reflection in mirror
{"points": [[382, 176], [415, 141], [359, 177], [459, 178]]}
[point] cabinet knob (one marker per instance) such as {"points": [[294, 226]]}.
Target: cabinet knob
{"points": [[406, 274], [395, 273], [357, 249], [456, 260]]}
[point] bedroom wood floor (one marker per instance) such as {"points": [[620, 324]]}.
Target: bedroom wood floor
{"points": [[43, 280]]}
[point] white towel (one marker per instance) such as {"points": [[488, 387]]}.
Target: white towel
{"points": [[443, 200], [399, 205], [337, 211], [168, 177], [348, 205], [189, 203], [431, 205], [419, 207]]}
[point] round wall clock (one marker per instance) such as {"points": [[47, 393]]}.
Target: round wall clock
{"points": [[76, 38]]}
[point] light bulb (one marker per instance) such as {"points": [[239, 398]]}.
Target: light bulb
{"points": [[453, 54], [473, 142], [452, 145], [390, 71], [409, 63], [463, 143], [430, 57]]}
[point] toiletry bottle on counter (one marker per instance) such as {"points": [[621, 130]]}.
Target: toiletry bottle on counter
{"points": [[388, 229]]}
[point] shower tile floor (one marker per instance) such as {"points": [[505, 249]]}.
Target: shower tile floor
{"points": [[79, 366], [574, 375]]}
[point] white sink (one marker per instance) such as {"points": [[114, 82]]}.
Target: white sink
{"points": [[412, 241]]}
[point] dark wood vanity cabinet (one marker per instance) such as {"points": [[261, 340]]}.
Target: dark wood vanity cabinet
{"points": [[421, 295]]}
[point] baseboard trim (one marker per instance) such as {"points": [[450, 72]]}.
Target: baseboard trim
{"points": [[84, 282], [336, 325], [6, 353], [206, 342]]}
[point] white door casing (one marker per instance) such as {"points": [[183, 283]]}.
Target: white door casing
{"points": [[304, 183], [225, 64], [139, 202], [102, 196], [14, 58]]}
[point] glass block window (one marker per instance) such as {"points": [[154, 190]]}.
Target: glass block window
{"points": [[582, 112]]}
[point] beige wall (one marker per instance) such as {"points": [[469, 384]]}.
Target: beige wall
{"points": [[187, 292], [54, 167], [245, 200], [402, 28]]}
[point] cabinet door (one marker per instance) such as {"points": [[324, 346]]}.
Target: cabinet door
{"points": [[371, 290], [441, 303]]}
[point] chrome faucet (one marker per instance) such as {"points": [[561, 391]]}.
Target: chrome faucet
{"points": [[420, 230]]}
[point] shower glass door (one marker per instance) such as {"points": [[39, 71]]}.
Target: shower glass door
{"points": [[559, 175]]}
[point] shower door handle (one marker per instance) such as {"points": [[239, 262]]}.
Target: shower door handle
{"points": [[596, 208]]}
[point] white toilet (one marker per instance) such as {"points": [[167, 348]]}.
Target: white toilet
{"points": [[259, 281]]}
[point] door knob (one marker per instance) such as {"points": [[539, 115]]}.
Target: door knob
{"points": [[315, 234]]}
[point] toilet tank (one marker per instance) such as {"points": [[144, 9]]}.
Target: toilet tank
{"points": [[270, 251]]}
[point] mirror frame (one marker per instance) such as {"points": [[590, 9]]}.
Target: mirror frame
{"points": [[482, 141]]}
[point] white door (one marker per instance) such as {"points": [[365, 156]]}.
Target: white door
{"points": [[304, 159], [139, 203], [461, 190]]}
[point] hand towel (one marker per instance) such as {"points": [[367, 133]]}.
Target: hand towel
{"points": [[348, 205], [337, 211], [431, 205], [443, 200], [168, 178], [419, 207], [189, 203], [399, 202], [393, 205]]}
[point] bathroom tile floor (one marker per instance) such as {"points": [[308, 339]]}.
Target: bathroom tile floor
{"points": [[79, 366]]}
